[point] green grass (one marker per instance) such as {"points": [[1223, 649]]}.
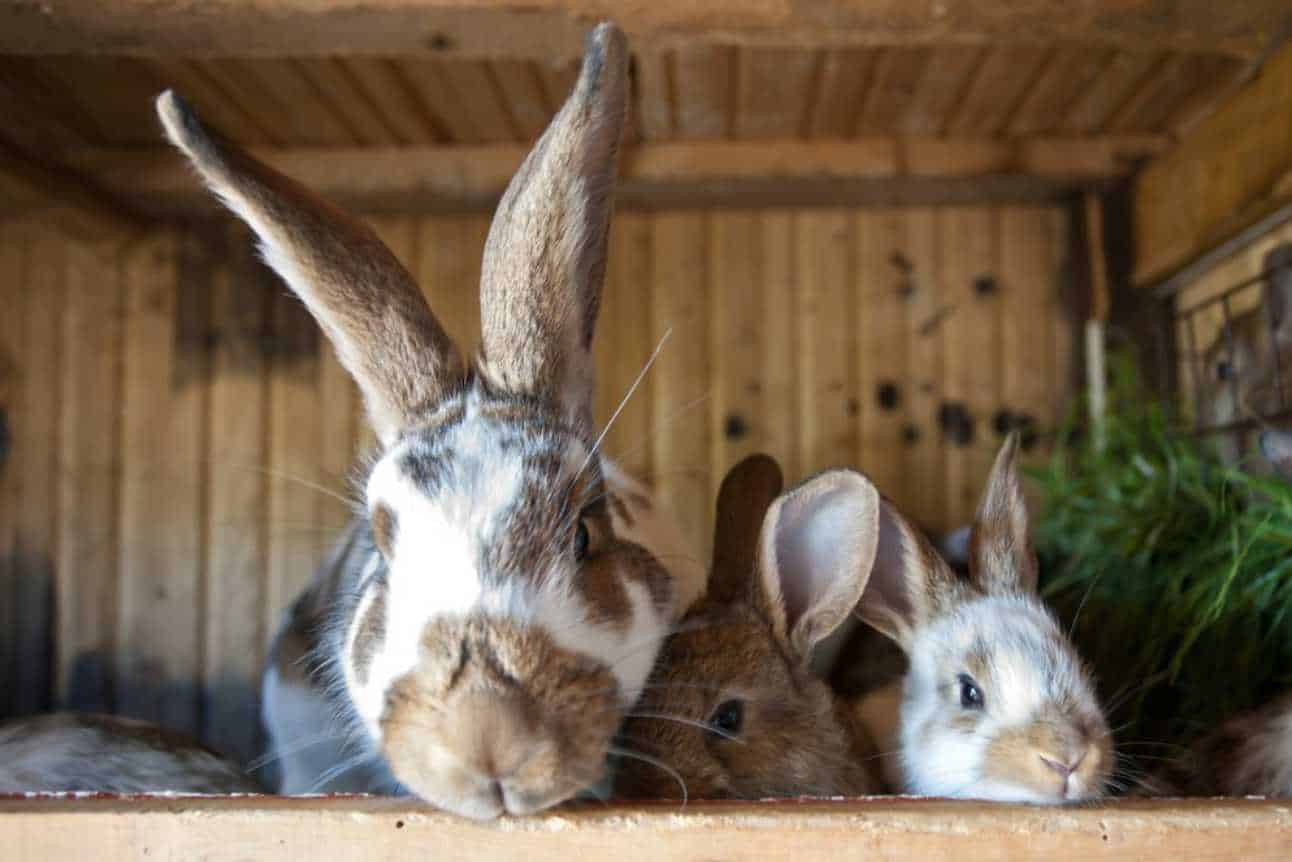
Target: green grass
{"points": [[1176, 568]]}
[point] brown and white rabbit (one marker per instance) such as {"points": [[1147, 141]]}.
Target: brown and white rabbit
{"points": [[1239, 377], [502, 598], [733, 709], [1250, 754], [74, 752], [996, 704]]}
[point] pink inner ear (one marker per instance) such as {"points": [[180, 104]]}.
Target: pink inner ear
{"points": [[824, 542]]}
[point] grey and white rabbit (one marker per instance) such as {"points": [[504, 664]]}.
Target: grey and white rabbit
{"points": [[501, 598], [75, 752]]}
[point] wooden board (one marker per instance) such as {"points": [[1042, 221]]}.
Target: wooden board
{"points": [[1226, 176], [542, 28], [373, 830]]}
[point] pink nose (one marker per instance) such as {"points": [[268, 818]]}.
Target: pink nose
{"points": [[1062, 768]]}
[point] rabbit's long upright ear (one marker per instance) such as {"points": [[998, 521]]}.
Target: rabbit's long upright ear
{"points": [[910, 583], [365, 301], [815, 555], [545, 258], [1277, 266], [1000, 545], [747, 491]]}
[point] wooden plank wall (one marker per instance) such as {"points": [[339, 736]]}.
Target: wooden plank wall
{"points": [[181, 437]]}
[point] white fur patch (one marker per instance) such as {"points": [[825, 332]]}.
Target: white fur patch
{"points": [[437, 548], [1028, 672]]}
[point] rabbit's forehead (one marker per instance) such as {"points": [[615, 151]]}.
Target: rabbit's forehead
{"points": [[1012, 647]]}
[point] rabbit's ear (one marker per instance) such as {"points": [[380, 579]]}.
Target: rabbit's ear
{"points": [[1000, 545], [815, 555], [365, 301], [910, 583], [1277, 266], [1276, 446], [747, 492], [545, 258]]}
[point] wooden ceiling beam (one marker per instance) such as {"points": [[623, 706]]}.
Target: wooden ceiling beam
{"points": [[721, 172], [553, 29]]}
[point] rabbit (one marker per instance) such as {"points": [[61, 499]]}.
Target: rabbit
{"points": [[996, 704], [71, 752], [1239, 378], [498, 605], [733, 709], [1250, 754]]}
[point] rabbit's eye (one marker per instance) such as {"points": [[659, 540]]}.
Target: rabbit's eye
{"points": [[1224, 371], [970, 693], [581, 540], [727, 718]]}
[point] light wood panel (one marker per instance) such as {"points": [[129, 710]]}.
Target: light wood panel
{"points": [[183, 432]]}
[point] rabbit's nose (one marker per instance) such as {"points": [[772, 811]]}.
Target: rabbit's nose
{"points": [[1063, 766]]}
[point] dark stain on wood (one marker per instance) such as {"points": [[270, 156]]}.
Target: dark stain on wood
{"points": [[735, 427], [956, 422], [889, 395]]}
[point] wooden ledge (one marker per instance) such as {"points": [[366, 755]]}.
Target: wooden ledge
{"points": [[373, 829]]}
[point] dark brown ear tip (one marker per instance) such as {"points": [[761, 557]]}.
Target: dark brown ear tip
{"points": [[760, 469]]}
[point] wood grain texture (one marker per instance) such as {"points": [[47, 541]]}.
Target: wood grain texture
{"points": [[542, 28], [374, 830]]}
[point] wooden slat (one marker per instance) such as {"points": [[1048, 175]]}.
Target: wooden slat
{"points": [[775, 87], [44, 108], [1066, 78], [895, 76], [1215, 86], [778, 382], [279, 94], [1028, 294], [971, 353], [349, 102], [881, 297], [1155, 97], [919, 263], [13, 260], [716, 173], [825, 315], [159, 617], [448, 270], [624, 344], [944, 79], [736, 339], [1224, 177], [1064, 324], [122, 112], [237, 514], [682, 392], [521, 91], [704, 80], [440, 100], [482, 28], [845, 76], [654, 101], [216, 106], [1113, 86], [89, 449], [35, 457], [999, 85], [481, 100], [385, 84], [295, 503]]}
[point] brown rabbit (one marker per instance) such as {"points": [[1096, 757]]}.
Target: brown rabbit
{"points": [[1239, 375], [732, 709], [67, 752]]}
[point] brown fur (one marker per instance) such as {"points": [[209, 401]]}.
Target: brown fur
{"points": [[1038, 754], [464, 715], [737, 644], [1000, 545]]}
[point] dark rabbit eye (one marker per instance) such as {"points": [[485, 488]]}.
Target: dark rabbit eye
{"points": [[1224, 371], [970, 693], [581, 540], [727, 718]]}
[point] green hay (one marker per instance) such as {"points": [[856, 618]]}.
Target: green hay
{"points": [[1176, 568]]}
